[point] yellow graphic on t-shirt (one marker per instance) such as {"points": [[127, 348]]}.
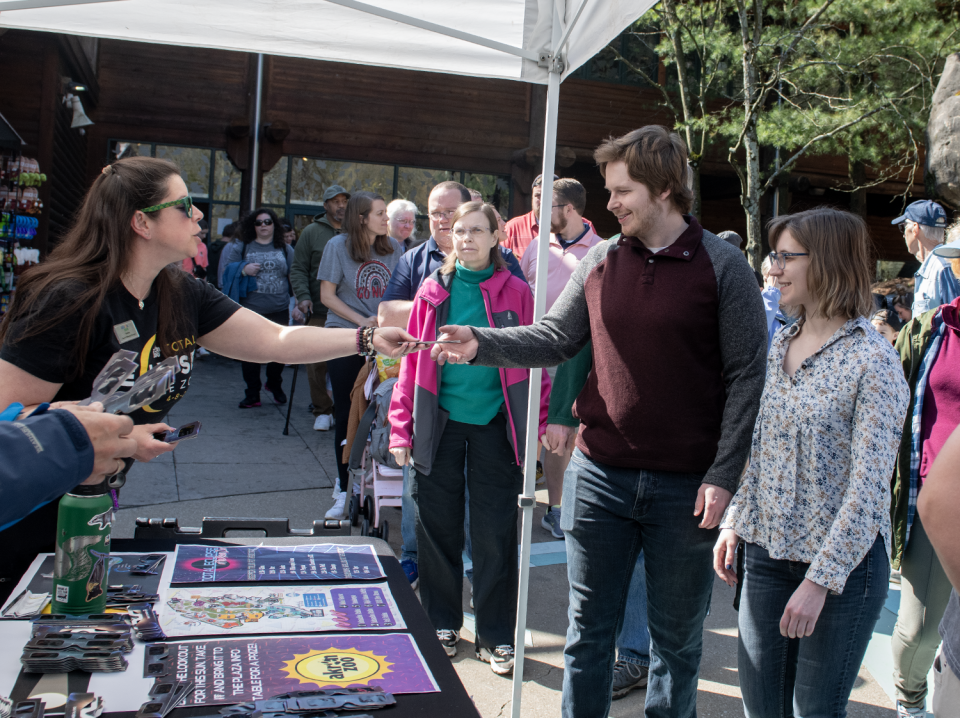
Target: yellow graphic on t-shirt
{"points": [[338, 666], [150, 355]]}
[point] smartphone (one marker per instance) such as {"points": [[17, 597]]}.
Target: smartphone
{"points": [[187, 431], [444, 341]]}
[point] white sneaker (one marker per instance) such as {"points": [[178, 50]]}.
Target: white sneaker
{"points": [[336, 489], [323, 423], [339, 508]]}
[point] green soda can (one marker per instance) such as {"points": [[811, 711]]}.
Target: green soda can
{"points": [[81, 566]]}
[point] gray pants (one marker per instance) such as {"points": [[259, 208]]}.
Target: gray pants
{"points": [[924, 592]]}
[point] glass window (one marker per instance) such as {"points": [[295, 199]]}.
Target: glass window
{"points": [[494, 188], [221, 216], [226, 178], [194, 166], [130, 149], [310, 177], [415, 183], [275, 183]]}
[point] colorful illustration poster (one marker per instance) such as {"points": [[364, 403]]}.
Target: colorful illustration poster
{"points": [[279, 609], [251, 669], [231, 564]]}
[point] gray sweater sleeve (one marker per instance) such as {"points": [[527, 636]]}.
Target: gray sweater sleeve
{"points": [[557, 337], [743, 353]]}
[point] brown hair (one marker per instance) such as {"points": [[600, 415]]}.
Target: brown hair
{"points": [[570, 192], [841, 263], [496, 257], [358, 208], [655, 157], [88, 261]]}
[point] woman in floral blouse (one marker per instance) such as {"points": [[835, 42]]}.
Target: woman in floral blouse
{"points": [[813, 507]]}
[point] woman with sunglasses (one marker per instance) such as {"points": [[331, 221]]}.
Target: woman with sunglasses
{"points": [[813, 507], [263, 253], [441, 417], [114, 282]]}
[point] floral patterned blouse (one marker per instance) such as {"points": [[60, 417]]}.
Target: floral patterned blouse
{"points": [[817, 489]]}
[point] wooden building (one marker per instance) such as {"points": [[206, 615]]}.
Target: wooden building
{"points": [[392, 131]]}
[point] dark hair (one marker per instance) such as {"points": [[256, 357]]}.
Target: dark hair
{"points": [[888, 316], [358, 208], [496, 256], [230, 230], [248, 230], [841, 266], [655, 157], [89, 260], [450, 184], [571, 192]]}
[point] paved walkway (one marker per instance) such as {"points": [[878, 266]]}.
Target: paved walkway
{"points": [[242, 465]]}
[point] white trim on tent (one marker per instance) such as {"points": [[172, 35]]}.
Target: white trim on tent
{"points": [[6, 5]]}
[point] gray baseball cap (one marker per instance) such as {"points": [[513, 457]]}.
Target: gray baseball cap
{"points": [[332, 191]]}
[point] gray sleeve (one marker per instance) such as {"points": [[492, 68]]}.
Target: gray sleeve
{"points": [[743, 353], [562, 332]]}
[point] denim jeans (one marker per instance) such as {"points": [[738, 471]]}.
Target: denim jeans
{"points": [[613, 514], [495, 481], [633, 643], [408, 518], [804, 677]]}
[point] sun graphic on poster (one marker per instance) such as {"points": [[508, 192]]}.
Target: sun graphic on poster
{"points": [[337, 667]]}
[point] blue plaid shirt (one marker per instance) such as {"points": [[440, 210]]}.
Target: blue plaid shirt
{"points": [[915, 449]]}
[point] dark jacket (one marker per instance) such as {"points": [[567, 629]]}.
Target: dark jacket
{"points": [[306, 261]]}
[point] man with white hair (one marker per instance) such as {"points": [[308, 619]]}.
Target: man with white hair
{"points": [[923, 226]]}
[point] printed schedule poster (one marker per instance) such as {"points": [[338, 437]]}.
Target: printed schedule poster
{"points": [[251, 669], [230, 611], [232, 564]]}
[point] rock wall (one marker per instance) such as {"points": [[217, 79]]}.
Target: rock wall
{"points": [[942, 177]]}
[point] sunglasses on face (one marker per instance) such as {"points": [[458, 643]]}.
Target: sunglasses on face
{"points": [[263, 223], [186, 206]]}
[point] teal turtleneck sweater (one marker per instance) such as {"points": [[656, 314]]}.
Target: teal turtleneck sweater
{"points": [[472, 394]]}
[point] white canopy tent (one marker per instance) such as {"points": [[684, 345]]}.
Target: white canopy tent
{"points": [[537, 41]]}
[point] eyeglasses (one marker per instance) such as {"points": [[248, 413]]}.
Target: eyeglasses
{"points": [[780, 258], [262, 222], [442, 215], [474, 232], [404, 221], [186, 205], [561, 205]]}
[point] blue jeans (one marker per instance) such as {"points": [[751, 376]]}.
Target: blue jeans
{"points": [[812, 676], [408, 518], [613, 514], [633, 643]]}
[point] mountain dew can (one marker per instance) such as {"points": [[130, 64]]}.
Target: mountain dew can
{"points": [[82, 561]]}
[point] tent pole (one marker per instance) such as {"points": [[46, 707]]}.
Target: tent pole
{"points": [[255, 160], [528, 499]]}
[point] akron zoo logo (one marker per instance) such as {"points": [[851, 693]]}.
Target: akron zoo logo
{"points": [[337, 666]]}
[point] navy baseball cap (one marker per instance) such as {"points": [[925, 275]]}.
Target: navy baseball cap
{"points": [[925, 212]]}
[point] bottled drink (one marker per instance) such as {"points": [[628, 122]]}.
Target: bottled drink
{"points": [[82, 563]]}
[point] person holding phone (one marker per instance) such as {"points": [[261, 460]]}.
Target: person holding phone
{"points": [[114, 282], [441, 419]]}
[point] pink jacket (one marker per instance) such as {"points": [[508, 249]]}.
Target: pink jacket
{"points": [[416, 418]]}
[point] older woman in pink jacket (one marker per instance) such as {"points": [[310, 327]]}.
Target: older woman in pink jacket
{"points": [[443, 416]]}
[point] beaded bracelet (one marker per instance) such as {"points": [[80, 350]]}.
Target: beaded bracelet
{"points": [[366, 342]]}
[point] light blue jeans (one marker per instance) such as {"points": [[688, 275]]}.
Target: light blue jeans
{"points": [[633, 643]]}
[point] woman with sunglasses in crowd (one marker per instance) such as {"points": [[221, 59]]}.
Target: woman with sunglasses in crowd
{"points": [[263, 253], [114, 282], [441, 417], [813, 506]]}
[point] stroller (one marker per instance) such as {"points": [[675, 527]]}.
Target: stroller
{"points": [[373, 468]]}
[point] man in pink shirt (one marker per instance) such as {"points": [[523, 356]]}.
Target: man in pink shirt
{"points": [[570, 239], [522, 230]]}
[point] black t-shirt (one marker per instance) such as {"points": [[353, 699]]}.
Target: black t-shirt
{"points": [[120, 324]]}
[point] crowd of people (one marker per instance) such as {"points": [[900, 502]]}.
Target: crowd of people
{"points": [[802, 418]]}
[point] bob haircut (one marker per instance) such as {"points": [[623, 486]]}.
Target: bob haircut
{"points": [[655, 157], [841, 270], [358, 209], [248, 230], [496, 257]]}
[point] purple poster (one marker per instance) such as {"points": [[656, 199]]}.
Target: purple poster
{"points": [[231, 564], [249, 669]]}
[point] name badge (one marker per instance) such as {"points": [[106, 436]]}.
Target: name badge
{"points": [[125, 332]]}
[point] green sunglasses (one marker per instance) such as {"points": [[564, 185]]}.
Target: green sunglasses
{"points": [[187, 203]]}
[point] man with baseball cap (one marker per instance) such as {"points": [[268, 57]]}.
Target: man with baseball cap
{"points": [[923, 226], [306, 288]]}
